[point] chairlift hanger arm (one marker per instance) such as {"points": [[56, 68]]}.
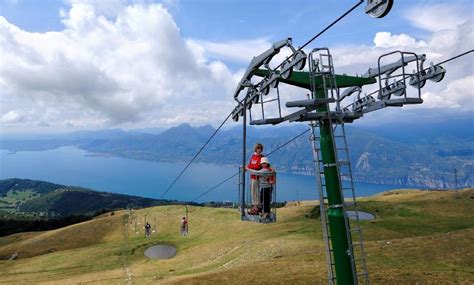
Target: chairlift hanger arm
{"points": [[258, 61]]}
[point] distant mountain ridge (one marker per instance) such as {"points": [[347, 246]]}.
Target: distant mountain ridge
{"points": [[414, 155]]}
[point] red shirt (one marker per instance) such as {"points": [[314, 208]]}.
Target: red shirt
{"points": [[255, 163]]}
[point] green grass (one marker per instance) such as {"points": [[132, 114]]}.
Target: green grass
{"points": [[13, 198], [417, 237]]}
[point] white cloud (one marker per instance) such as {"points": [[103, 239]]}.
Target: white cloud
{"points": [[117, 63], [387, 40], [234, 51], [129, 67], [438, 17], [457, 94], [10, 117]]}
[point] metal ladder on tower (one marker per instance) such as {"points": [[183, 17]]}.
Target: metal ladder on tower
{"points": [[319, 169], [324, 68], [353, 225]]}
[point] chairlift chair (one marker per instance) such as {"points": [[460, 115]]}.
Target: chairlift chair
{"points": [[246, 215]]}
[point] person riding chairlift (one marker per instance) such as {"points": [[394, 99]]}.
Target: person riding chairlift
{"points": [[266, 186], [254, 179]]}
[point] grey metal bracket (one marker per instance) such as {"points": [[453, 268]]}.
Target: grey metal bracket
{"points": [[309, 103], [403, 101], [260, 60]]}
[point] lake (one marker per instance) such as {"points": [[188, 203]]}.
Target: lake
{"points": [[75, 167]]}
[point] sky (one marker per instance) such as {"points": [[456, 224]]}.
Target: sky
{"points": [[67, 65]]}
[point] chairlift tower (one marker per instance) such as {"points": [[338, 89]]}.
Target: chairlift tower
{"points": [[333, 101], [326, 109]]}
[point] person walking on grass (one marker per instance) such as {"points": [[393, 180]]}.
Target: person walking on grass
{"points": [[184, 226], [147, 230], [254, 179]]}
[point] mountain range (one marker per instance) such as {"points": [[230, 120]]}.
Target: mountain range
{"points": [[419, 155]]}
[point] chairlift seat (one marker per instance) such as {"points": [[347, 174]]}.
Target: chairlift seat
{"points": [[271, 218]]}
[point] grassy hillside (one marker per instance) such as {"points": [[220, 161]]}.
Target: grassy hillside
{"points": [[28, 198], [418, 237]]}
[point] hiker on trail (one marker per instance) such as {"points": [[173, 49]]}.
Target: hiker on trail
{"points": [[147, 230], [254, 179], [184, 226], [266, 186]]}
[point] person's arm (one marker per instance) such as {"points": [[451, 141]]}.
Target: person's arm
{"points": [[273, 177]]}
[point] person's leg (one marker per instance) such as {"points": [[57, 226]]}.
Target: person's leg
{"points": [[254, 188], [267, 199]]}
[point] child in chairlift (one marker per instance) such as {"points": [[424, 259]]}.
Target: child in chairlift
{"points": [[266, 186]]}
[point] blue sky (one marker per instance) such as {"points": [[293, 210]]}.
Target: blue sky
{"points": [[219, 20], [219, 36]]}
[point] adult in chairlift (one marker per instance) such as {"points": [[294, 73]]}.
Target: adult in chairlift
{"points": [[254, 179]]}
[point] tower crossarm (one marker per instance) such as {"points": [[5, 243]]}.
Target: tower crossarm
{"points": [[302, 79]]}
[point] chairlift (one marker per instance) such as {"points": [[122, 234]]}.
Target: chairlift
{"points": [[256, 213]]}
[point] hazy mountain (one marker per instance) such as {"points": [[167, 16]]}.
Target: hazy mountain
{"points": [[415, 155]]}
